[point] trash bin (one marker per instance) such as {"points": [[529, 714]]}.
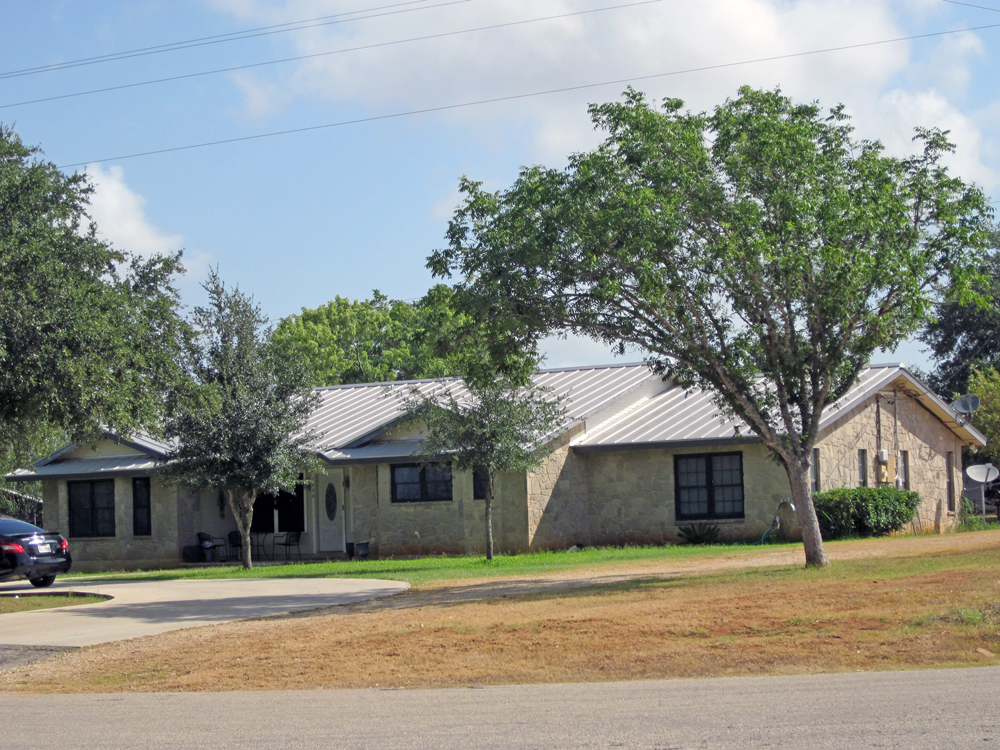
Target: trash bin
{"points": [[362, 549]]}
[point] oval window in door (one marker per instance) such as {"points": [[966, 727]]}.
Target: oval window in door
{"points": [[331, 501]]}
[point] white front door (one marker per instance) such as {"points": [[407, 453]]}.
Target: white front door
{"points": [[330, 510]]}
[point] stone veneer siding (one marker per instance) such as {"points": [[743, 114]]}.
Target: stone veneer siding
{"points": [[456, 526], [124, 549], [627, 496], [920, 432]]}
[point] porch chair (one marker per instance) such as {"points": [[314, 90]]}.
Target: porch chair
{"points": [[235, 550], [288, 540], [209, 543]]}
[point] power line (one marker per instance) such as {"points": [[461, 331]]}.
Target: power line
{"points": [[221, 38], [514, 97], [970, 5], [324, 54]]}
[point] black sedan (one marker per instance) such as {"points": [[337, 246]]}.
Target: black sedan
{"points": [[27, 551]]}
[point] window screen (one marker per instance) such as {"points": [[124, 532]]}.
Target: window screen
{"points": [[417, 483], [142, 522], [862, 468], [479, 484], [709, 486], [91, 508], [949, 467]]}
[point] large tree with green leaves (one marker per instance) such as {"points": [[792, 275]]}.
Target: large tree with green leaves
{"points": [[237, 421], [89, 334], [985, 383], [759, 251], [496, 427], [963, 338], [380, 340]]}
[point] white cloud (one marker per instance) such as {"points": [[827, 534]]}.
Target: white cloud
{"points": [[581, 49], [120, 215], [931, 108], [619, 44]]}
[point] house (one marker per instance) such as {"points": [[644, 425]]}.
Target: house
{"points": [[637, 458]]}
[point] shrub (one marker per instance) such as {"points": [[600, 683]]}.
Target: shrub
{"points": [[699, 533], [864, 511], [969, 519]]}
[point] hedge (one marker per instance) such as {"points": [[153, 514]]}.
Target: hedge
{"points": [[864, 511]]}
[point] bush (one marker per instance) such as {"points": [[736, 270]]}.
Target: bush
{"points": [[699, 533], [864, 511], [969, 519]]}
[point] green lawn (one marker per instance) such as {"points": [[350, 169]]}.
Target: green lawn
{"points": [[25, 602], [427, 569]]}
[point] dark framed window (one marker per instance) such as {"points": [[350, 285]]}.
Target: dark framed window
{"points": [[949, 468], [142, 519], [478, 484], [290, 507], [814, 470], [421, 483], [862, 468], [91, 507], [904, 469], [708, 486]]}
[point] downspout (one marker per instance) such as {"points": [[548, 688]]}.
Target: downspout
{"points": [[895, 432]]}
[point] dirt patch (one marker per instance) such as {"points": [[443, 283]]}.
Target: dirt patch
{"points": [[636, 622]]}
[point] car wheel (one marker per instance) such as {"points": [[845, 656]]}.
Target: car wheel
{"points": [[42, 581]]}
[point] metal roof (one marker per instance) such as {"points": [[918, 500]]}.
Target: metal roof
{"points": [[351, 415], [679, 416], [86, 467], [139, 441]]}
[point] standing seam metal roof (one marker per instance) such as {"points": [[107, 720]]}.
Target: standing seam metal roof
{"points": [[677, 415], [352, 412]]}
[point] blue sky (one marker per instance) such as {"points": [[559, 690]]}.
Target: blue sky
{"points": [[298, 219]]}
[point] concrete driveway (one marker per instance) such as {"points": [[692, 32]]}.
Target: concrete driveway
{"points": [[140, 608]]}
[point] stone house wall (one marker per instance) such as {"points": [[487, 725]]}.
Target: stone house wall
{"points": [[919, 432], [627, 496], [454, 527], [557, 498], [161, 549], [632, 495]]}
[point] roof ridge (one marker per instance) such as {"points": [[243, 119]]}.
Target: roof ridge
{"points": [[447, 378]]}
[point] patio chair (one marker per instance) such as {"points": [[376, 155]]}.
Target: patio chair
{"points": [[235, 550], [209, 543], [288, 540]]}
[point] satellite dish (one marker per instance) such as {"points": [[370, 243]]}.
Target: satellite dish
{"points": [[982, 473], [966, 404]]}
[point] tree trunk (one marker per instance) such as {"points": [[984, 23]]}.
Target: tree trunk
{"points": [[799, 479], [489, 515], [242, 507]]}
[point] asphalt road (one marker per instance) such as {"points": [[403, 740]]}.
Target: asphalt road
{"points": [[934, 709]]}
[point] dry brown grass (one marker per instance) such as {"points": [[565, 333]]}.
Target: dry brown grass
{"points": [[913, 610]]}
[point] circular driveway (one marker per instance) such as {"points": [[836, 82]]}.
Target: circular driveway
{"points": [[140, 608]]}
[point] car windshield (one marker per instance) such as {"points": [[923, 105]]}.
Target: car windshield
{"points": [[11, 526]]}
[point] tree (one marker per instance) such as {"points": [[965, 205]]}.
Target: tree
{"points": [[89, 335], [487, 428], [238, 421], [379, 340], [966, 337], [985, 383], [759, 252]]}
